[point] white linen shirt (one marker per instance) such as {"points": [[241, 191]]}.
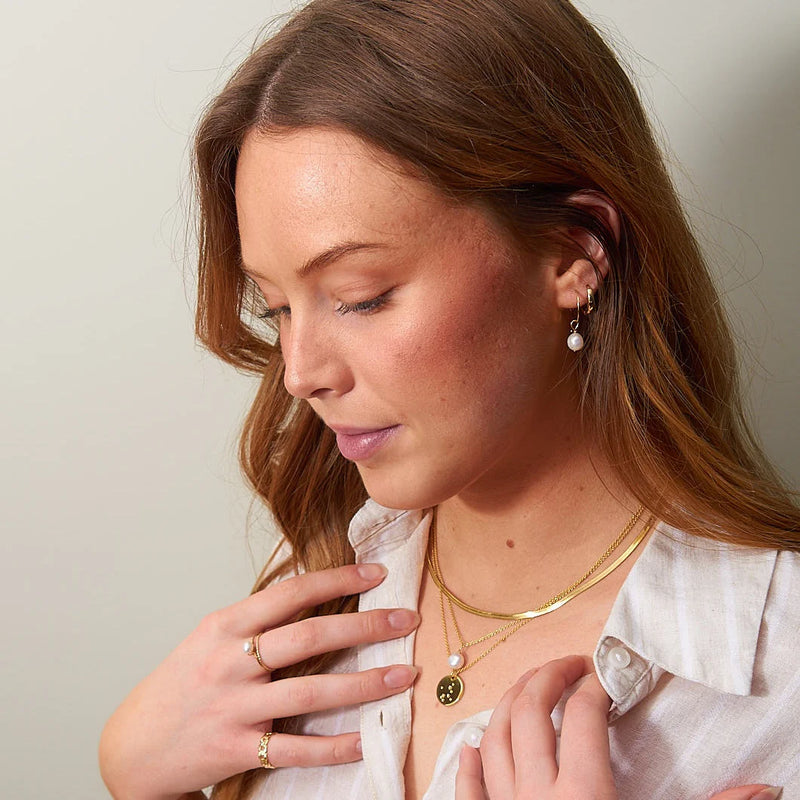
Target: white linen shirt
{"points": [[700, 657]]}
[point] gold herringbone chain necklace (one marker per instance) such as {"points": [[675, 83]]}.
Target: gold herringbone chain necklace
{"points": [[451, 687]]}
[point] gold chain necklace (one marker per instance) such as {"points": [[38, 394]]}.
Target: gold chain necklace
{"points": [[451, 687], [554, 602]]}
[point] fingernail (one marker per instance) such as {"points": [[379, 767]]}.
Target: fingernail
{"points": [[371, 572], [770, 793], [358, 746], [403, 619], [398, 677]]}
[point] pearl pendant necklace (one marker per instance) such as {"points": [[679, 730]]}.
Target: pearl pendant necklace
{"points": [[456, 660], [451, 687]]}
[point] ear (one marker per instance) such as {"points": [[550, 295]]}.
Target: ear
{"points": [[584, 260]]}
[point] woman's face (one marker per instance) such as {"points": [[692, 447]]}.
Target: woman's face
{"points": [[410, 324]]}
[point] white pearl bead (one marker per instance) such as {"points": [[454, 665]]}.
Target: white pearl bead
{"points": [[474, 738], [247, 646], [456, 660], [575, 342], [619, 657]]}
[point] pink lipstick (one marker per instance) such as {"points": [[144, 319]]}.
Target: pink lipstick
{"points": [[359, 445]]}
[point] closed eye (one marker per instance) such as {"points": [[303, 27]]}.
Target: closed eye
{"points": [[364, 306], [361, 307], [274, 313]]}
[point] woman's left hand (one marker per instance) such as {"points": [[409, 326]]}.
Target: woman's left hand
{"points": [[518, 750], [517, 758]]}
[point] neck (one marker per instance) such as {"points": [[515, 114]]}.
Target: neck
{"points": [[514, 550]]}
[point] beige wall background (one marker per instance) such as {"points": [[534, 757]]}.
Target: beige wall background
{"points": [[122, 515]]}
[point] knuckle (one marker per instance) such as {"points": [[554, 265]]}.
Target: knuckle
{"points": [[290, 754], [526, 703], [373, 624], [209, 671], [225, 746], [304, 636], [345, 577], [292, 591], [369, 685], [491, 739], [213, 624], [340, 752], [303, 694], [581, 703]]}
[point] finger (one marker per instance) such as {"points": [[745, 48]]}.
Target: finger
{"points": [[293, 696], [533, 738], [288, 750], [755, 791], [468, 777], [293, 643], [282, 601], [495, 750], [585, 757]]}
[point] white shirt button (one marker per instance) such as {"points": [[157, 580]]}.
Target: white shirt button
{"points": [[619, 657]]}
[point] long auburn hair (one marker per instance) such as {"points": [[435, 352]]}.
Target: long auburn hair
{"points": [[514, 105]]}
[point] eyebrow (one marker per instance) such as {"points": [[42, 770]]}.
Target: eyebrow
{"points": [[326, 257]]}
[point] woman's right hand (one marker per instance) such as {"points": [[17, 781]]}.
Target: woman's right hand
{"points": [[198, 718]]}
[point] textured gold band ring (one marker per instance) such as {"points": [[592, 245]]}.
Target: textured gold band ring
{"points": [[252, 648], [263, 747]]}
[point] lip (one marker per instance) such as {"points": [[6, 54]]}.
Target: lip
{"points": [[359, 444]]}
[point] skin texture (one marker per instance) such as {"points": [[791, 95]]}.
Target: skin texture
{"points": [[423, 319], [517, 757], [198, 717], [466, 351]]}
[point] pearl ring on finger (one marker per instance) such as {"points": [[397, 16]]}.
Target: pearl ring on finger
{"points": [[251, 647]]}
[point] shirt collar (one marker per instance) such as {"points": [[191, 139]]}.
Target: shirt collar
{"points": [[691, 607], [375, 526]]}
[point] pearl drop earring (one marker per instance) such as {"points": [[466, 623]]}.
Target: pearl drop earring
{"points": [[575, 340]]}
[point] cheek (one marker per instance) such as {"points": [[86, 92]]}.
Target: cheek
{"points": [[437, 354], [458, 363]]}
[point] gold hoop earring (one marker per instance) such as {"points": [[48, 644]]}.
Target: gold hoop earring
{"points": [[591, 303], [575, 340]]}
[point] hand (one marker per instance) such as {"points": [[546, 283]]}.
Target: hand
{"points": [[517, 758], [198, 718], [518, 752]]}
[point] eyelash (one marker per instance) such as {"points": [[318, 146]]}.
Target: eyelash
{"points": [[362, 307]]}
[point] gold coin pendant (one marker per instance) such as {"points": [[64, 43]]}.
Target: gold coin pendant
{"points": [[449, 690]]}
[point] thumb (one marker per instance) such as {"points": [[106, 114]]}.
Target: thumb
{"points": [[755, 791]]}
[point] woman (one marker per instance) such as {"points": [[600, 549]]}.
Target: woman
{"points": [[442, 232]]}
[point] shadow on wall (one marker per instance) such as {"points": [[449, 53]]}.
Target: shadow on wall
{"points": [[751, 175]]}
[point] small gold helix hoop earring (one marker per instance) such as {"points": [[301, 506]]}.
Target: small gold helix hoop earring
{"points": [[590, 301], [575, 340]]}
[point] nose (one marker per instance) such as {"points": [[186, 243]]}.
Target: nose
{"points": [[315, 362]]}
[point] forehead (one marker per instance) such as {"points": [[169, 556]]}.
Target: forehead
{"points": [[326, 185], [303, 193]]}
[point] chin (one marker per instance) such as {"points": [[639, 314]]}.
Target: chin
{"points": [[402, 491]]}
